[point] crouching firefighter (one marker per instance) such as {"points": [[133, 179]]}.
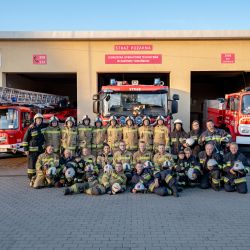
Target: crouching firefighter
{"points": [[90, 186], [235, 169], [46, 168]]}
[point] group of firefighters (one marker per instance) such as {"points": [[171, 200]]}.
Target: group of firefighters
{"points": [[148, 158]]}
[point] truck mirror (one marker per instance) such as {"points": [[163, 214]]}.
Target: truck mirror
{"points": [[174, 107], [176, 97], [95, 97], [96, 106]]}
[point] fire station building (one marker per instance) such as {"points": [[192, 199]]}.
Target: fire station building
{"points": [[197, 65]]}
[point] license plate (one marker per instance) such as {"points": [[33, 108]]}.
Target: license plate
{"points": [[3, 150]]}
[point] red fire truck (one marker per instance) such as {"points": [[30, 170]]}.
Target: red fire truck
{"points": [[135, 100], [17, 109], [232, 113]]}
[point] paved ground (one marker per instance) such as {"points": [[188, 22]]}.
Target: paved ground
{"points": [[45, 219]]}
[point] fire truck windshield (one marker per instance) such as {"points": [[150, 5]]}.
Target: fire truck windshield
{"points": [[245, 107], [8, 118], [127, 103]]}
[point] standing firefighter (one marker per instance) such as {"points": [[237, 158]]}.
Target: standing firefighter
{"points": [[52, 134], [114, 134], [177, 137], [85, 133], [69, 135], [195, 133], [46, 168], [235, 169], [33, 143], [146, 132], [130, 134], [99, 137], [161, 133]]}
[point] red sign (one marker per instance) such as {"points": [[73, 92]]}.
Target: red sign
{"points": [[134, 59], [227, 58], [142, 47], [40, 59]]}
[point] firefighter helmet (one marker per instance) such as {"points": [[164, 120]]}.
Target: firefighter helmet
{"points": [[130, 118], [190, 174], [148, 164], [212, 163], [238, 165], [51, 172], [139, 187], [108, 169], [98, 119], [178, 121], [38, 115], [160, 117], [70, 174], [224, 140], [53, 119], [85, 117], [126, 167], [70, 119], [146, 117], [190, 141], [113, 117], [116, 187], [167, 164]]}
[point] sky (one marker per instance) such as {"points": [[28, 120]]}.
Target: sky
{"points": [[94, 15]]}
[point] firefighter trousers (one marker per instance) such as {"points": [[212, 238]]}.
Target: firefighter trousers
{"points": [[211, 179], [240, 185], [32, 158], [42, 180]]}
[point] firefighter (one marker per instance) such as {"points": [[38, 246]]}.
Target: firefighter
{"points": [[142, 155], [69, 135], [161, 156], [235, 168], [111, 178], [218, 137], [195, 133], [181, 170], [46, 165], [52, 134], [33, 143], [90, 186], [211, 165], [114, 134], [126, 158], [85, 133], [146, 132], [67, 160], [99, 137], [105, 157], [177, 137], [130, 134], [161, 134], [192, 168]]}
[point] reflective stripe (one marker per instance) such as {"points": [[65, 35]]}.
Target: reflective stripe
{"points": [[215, 181], [84, 129], [168, 178], [33, 149], [240, 180], [34, 133], [97, 145], [31, 171], [226, 180], [52, 132], [25, 144], [151, 187], [196, 167]]}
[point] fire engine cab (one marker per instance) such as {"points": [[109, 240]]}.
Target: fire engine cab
{"points": [[17, 109], [232, 113], [135, 100]]}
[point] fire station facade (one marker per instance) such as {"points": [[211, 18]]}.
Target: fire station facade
{"points": [[197, 65]]}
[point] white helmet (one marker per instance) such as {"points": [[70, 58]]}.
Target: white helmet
{"points": [[89, 168], [238, 165], [70, 173], [126, 166], [85, 117], [167, 164], [178, 121], [160, 117], [130, 118], [190, 141], [71, 119], [108, 169], [53, 119], [211, 163], [38, 115], [148, 164], [50, 172], [113, 117], [116, 187], [190, 173], [139, 187]]}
